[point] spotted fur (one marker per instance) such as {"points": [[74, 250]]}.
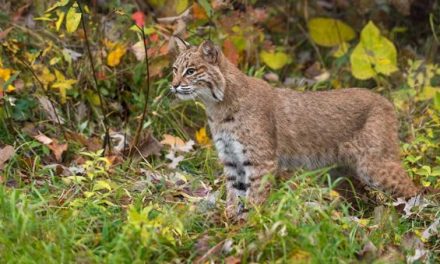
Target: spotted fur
{"points": [[259, 130]]}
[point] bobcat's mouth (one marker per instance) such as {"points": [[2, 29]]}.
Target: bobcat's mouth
{"points": [[184, 92]]}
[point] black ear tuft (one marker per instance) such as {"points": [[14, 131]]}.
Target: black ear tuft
{"points": [[210, 51], [178, 45]]}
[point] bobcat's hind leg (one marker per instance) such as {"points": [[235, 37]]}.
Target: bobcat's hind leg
{"points": [[386, 175]]}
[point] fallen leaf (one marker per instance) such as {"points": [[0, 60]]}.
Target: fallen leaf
{"points": [[57, 149], [416, 202], [431, 230], [43, 138], [175, 160], [5, 154], [172, 141], [52, 144]]}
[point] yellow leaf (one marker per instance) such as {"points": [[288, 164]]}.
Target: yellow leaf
{"points": [[44, 74], [63, 85], [202, 137], [5, 74], [60, 20], [114, 57], [102, 185], [329, 32], [428, 93], [73, 19], [181, 5], [341, 50], [275, 60], [374, 54]]}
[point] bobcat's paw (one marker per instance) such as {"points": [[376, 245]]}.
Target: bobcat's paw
{"points": [[237, 213]]}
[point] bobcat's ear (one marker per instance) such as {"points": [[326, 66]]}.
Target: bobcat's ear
{"points": [[178, 45], [210, 52]]}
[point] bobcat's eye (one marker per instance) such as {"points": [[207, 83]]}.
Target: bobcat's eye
{"points": [[174, 70], [190, 71]]}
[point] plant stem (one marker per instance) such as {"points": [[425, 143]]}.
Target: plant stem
{"points": [[92, 65], [146, 96]]}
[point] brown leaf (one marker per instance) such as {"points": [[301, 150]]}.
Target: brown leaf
{"points": [[5, 154], [57, 149], [172, 141], [94, 144], [43, 138]]}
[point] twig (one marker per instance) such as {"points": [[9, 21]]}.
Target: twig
{"points": [[301, 28], [146, 96], [92, 65]]}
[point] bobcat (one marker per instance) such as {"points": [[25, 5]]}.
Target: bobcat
{"points": [[260, 130]]}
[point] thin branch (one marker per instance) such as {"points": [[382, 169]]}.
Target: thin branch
{"points": [[98, 91], [146, 96]]}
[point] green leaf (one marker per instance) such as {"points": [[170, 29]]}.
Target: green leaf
{"points": [[73, 19], [329, 32], [275, 60], [374, 54]]}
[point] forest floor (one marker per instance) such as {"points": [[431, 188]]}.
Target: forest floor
{"points": [[63, 198]]}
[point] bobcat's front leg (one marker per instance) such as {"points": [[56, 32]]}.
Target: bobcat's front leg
{"points": [[248, 188]]}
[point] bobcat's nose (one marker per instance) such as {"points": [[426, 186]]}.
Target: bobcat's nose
{"points": [[174, 87]]}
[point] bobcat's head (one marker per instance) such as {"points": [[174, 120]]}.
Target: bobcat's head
{"points": [[196, 72]]}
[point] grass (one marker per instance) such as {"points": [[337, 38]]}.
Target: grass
{"points": [[138, 221]]}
